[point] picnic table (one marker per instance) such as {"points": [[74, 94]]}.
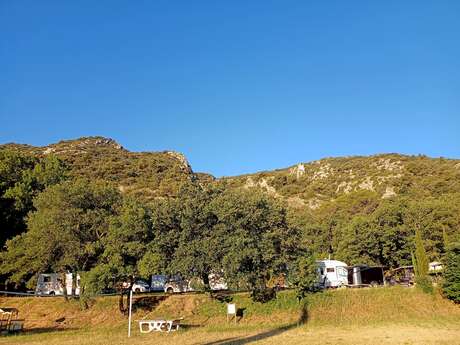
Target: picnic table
{"points": [[160, 325], [9, 321]]}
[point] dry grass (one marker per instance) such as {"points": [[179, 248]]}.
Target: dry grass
{"points": [[396, 334], [367, 316]]}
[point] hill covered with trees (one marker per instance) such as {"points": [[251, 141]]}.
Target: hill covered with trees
{"points": [[146, 175], [90, 205]]}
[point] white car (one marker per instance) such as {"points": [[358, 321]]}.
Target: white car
{"points": [[138, 286], [177, 285]]}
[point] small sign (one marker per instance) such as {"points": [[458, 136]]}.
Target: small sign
{"points": [[231, 309]]}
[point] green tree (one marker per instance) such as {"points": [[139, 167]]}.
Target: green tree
{"points": [[451, 285], [12, 166], [258, 242], [65, 233], [421, 264], [199, 251], [303, 275], [48, 171], [124, 245]]}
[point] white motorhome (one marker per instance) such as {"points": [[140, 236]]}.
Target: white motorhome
{"points": [[332, 273], [52, 284]]}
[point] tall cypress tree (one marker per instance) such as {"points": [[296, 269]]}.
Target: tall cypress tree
{"points": [[451, 286], [421, 264]]}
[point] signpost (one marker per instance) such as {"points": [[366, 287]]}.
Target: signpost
{"points": [[130, 309]]}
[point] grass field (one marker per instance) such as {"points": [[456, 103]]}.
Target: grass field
{"points": [[366, 316]]}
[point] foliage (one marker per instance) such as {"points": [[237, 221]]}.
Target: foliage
{"points": [[23, 177], [420, 263], [124, 244], [263, 294], [90, 205], [199, 251], [65, 233], [259, 243], [145, 175], [451, 285], [303, 275]]}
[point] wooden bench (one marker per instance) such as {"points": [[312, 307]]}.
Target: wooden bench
{"points": [[160, 325]]}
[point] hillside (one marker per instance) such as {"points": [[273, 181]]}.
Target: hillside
{"points": [[386, 175], [143, 174], [158, 174]]}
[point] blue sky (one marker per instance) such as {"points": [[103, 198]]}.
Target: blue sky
{"points": [[237, 86]]}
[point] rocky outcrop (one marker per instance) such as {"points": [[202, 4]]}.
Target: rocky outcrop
{"points": [[183, 161]]}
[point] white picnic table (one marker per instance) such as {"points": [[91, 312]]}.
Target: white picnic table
{"points": [[160, 325]]}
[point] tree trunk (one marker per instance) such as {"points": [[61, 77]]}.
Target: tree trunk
{"points": [[205, 279], [63, 283], [74, 283], [121, 306]]}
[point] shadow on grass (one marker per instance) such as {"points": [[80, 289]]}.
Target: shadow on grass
{"points": [[147, 303], [40, 330], [189, 326], [303, 319]]}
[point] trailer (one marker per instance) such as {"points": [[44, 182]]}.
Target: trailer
{"points": [[332, 273], [364, 275], [52, 284]]}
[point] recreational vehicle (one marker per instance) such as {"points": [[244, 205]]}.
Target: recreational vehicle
{"points": [[332, 273], [52, 284]]}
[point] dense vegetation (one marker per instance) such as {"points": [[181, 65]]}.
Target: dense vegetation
{"points": [[89, 226], [451, 284], [145, 175], [89, 205]]}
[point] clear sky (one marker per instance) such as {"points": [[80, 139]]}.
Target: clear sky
{"points": [[237, 86]]}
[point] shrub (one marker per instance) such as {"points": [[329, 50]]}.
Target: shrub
{"points": [[263, 295]]}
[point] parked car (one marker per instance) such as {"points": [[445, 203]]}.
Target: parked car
{"points": [[176, 284], [138, 286], [158, 282]]}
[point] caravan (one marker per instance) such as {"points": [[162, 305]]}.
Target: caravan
{"points": [[51, 284], [332, 273]]}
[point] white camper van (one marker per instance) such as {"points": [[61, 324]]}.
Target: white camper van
{"points": [[332, 273], [51, 284]]}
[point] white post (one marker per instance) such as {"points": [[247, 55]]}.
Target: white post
{"points": [[129, 314]]}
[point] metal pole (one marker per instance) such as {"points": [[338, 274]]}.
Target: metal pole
{"points": [[130, 308]]}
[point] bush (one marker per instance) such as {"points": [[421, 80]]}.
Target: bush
{"points": [[263, 295], [451, 286], [425, 284]]}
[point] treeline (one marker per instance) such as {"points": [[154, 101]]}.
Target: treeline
{"points": [[85, 226], [363, 228], [53, 221]]}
